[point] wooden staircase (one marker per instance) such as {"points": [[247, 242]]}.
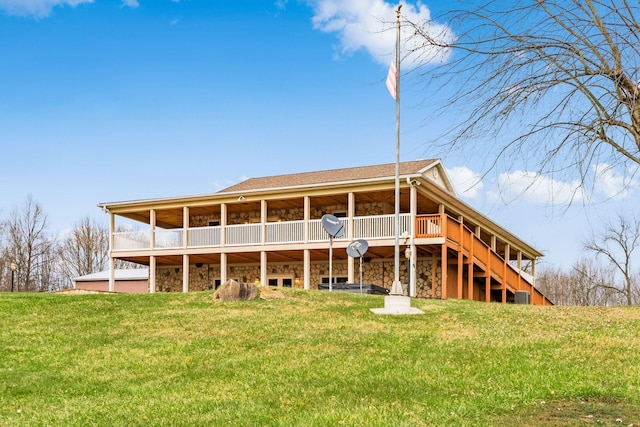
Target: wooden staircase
{"points": [[487, 272]]}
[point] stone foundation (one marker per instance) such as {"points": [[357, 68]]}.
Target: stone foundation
{"points": [[381, 273]]}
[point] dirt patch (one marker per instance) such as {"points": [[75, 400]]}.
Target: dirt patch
{"points": [[574, 413], [267, 292]]}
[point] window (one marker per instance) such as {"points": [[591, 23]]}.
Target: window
{"points": [[280, 281]]}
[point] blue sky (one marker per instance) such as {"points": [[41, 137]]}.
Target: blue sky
{"points": [[111, 100]]}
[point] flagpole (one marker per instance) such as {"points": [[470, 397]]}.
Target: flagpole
{"points": [[397, 287]]}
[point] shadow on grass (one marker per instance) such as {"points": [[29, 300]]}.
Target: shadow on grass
{"points": [[590, 412]]}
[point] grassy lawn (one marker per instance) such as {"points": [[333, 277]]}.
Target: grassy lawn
{"points": [[312, 359]]}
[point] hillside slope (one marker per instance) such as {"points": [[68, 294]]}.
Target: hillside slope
{"points": [[312, 358]]}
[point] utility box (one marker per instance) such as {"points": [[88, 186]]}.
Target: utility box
{"points": [[522, 297]]}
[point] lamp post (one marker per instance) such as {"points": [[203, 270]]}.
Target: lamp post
{"points": [[13, 274]]}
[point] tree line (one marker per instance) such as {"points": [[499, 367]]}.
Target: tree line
{"points": [[43, 261], [607, 277]]}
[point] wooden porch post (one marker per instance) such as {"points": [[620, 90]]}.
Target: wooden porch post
{"points": [[460, 255], [504, 273], [223, 267], [519, 269], [185, 273], [152, 244], [307, 216], [413, 259], [487, 281], [185, 226], [350, 214], [433, 275], [470, 271], [152, 274], [533, 279], [307, 269], [444, 263], [185, 257], [263, 268], [263, 220], [443, 253], [152, 229], [223, 224], [112, 263]]}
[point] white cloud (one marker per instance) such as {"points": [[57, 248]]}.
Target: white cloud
{"points": [[36, 8], [611, 184], [130, 3], [369, 25], [533, 187], [466, 182]]}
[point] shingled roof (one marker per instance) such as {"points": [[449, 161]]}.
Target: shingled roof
{"points": [[329, 176]]}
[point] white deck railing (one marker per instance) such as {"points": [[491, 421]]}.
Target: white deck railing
{"points": [[381, 226], [202, 237], [244, 234], [131, 240], [318, 234], [169, 239], [287, 232]]}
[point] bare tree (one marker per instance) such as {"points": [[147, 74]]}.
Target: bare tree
{"points": [[585, 283], [554, 82], [29, 245], [616, 243], [84, 250]]}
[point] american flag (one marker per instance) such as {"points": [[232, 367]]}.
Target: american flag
{"points": [[392, 78]]}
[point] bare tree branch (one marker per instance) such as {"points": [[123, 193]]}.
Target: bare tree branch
{"points": [[554, 82]]}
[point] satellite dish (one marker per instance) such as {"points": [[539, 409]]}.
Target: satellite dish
{"points": [[357, 248], [332, 225]]}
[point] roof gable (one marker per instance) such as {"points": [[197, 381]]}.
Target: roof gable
{"points": [[437, 174], [331, 176]]}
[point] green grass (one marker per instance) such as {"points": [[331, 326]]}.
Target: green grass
{"points": [[312, 359]]}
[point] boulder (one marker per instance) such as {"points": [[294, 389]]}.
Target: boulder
{"points": [[234, 291], [267, 292]]}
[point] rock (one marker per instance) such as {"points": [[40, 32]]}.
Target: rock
{"points": [[270, 293], [234, 291]]}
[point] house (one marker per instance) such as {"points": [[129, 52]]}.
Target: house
{"points": [[269, 231], [132, 281]]}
